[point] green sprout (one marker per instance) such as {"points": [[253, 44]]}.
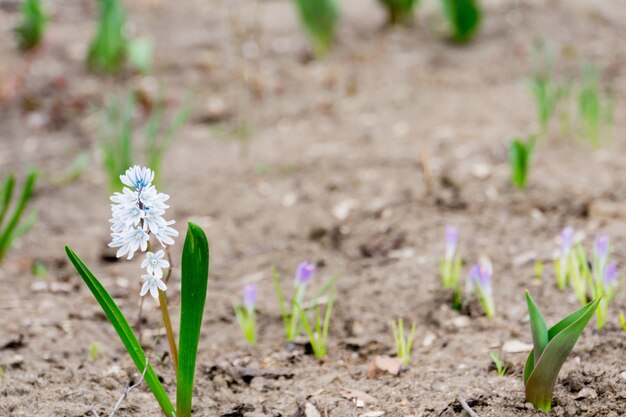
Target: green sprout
{"points": [[520, 153], [538, 269], [140, 55], [501, 366], [194, 277], [319, 17], [109, 47], [622, 320], [546, 92], [399, 11], [33, 21], [291, 317], [579, 273], [551, 348], [594, 108], [450, 265], [403, 345], [39, 270], [318, 334], [464, 18], [117, 136], [14, 228], [246, 315], [94, 350]]}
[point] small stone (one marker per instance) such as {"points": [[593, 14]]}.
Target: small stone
{"points": [[515, 346], [429, 339], [373, 414], [586, 393], [623, 375], [460, 321], [311, 411], [342, 210], [481, 171]]}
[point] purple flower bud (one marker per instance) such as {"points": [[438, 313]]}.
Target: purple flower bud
{"points": [[610, 275], [567, 240], [480, 275], [304, 272], [249, 295], [601, 247], [452, 238]]}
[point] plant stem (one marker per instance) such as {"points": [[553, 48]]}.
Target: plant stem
{"points": [[168, 328]]}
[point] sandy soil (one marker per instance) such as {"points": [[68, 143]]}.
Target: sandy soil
{"points": [[350, 130]]}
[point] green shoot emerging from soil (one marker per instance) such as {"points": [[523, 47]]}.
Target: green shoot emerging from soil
{"points": [[319, 18], [318, 332], [551, 348], [464, 18], [246, 315], [14, 228], [520, 153], [117, 139], [622, 320], [109, 47], [94, 351], [399, 11], [403, 344], [546, 92], [501, 366], [32, 26], [594, 108]]}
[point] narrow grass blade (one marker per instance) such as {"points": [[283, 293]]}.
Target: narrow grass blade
{"points": [[194, 277], [6, 192], [563, 337], [7, 235], [123, 329]]}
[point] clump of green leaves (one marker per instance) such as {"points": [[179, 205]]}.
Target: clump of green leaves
{"points": [[403, 344], [246, 314], [595, 109], [194, 277], [319, 18], [399, 11], [520, 153], [501, 366], [464, 18], [545, 90], [14, 227], [33, 22], [550, 349], [117, 136], [109, 46], [318, 332]]}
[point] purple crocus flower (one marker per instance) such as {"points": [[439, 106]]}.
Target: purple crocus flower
{"points": [[567, 240], [452, 238], [610, 275], [249, 295], [480, 275], [601, 247], [304, 272]]}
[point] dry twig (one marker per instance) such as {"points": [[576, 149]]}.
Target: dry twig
{"points": [[466, 407], [127, 391]]}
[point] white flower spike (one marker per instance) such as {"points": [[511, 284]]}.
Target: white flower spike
{"points": [[136, 213]]}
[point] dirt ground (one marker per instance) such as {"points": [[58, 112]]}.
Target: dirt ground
{"points": [[287, 159]]}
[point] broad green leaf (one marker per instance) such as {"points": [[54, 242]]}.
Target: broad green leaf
{"points": [[538, 329], [123, 329], [7, 235], [563, 337], [194, 277]]}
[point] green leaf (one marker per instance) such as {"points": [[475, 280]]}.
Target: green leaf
{"points": [[464, 17], [123, 329], [6, 192], [7, 235], [538, 329], [562, 339], [194, 277], [319, 17]]}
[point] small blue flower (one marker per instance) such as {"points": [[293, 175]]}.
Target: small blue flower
{"points": [[601, 247], [138, 177], [567, 241], [610, 275], [304, 272]]}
